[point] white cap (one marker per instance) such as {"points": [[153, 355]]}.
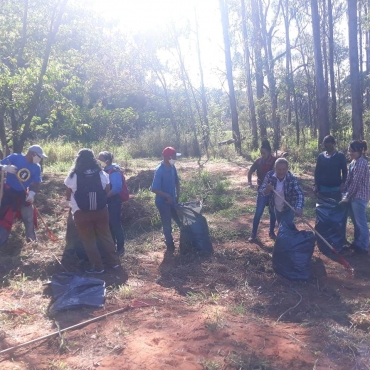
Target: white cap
{"points": [[38, 150]]}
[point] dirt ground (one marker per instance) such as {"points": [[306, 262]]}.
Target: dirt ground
{"points": [[226, 311]]}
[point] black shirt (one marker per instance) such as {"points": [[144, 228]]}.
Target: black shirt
{"points": [[332, 171]]}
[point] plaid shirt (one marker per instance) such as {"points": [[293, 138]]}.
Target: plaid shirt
{"points": [[292, 191], [358, 182]]}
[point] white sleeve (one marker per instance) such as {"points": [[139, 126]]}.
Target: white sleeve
{"points": [[104, 177], [71, 183]]}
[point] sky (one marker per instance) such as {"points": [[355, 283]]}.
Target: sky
{"points": [[137, 16]]}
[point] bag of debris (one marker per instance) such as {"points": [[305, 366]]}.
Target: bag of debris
{"points": [[72, 290], [194, 232], [331, 221], [292, 253]]}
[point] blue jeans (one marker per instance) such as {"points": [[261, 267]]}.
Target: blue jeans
{"points": [[262, 202], [167, 213], [286, 216], [357, 212], [115, 225]]}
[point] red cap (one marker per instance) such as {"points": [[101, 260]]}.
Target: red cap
{"points": [[168, 152]]}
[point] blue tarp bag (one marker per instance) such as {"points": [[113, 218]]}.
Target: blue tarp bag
{"points": [[194, 231], [331, 221], [293, 251]]}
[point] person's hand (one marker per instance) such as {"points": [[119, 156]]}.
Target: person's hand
{"points": [[341, 187], [250, 185], [298, 212], [9, 168], [169, 199], [30, 196], [67, 203], [269, 188], [343, 202], [315, 189]]}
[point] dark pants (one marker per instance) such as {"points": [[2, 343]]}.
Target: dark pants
{"points": [[93, 226], [357, 213], [262, 202], [16, 200], [167, 213], [115, 224]]}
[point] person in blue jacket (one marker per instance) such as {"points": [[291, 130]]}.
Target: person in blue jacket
{"points": [[114, 200], [22, 183], [166, 186]]}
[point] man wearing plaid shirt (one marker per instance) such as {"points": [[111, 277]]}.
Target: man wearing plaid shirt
{"points": [[286, 185]]}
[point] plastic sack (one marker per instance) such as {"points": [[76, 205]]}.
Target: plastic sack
{"points": [[72, 291], [194, 232], [331, 221], [292, 253]]}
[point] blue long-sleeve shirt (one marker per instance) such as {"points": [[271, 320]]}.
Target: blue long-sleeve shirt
{"points": [[115, 178]]}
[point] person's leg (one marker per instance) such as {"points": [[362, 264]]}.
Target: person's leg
{"points": [[165, 214], [103, 234], [27, 218], [260, 206], [361, 241], [115, 225], [272, 217], [278, 216], [85, 227]]}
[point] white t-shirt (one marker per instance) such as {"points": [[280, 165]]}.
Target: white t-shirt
{"points": [[279, 203], [71, 183]]}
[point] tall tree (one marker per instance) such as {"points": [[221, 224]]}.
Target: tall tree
{"points": [[229, 74], [248, 77], [356, 93], [321, 92]]}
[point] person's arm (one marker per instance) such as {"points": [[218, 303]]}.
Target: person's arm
{"points": [[107, 189], [344, 169], [116, 182], [156, 185], [68, 194], [250, 172], [177, 191], [316, 184]]}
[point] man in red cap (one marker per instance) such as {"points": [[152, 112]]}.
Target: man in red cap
{"points": [[166, 186]]}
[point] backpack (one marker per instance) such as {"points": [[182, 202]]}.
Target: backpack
{"points": [[90, 195], [124, 193]]}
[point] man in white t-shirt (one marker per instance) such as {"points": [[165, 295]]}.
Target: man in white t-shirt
{"points": [[286, 185]]}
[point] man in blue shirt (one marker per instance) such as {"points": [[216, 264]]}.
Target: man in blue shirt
{"points": [[114, 200], [166, 186], [22, 183]]}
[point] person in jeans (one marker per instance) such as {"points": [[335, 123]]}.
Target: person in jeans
{"points": [[114, 200], [330, 171], [92, 225], [357, 195], [262, 165], [166, 186], [286, 185]]}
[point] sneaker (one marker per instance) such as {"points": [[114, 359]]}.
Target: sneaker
{"points": [[252, 238], [272, 235], [94, 271]]}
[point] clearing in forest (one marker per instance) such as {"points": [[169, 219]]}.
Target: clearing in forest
{"points": [[228, 311]]}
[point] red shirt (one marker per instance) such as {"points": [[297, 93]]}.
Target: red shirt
{"points": [[263, 166]]}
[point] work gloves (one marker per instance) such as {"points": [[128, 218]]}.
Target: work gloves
{"points": [[30, 196], [9, 168]]}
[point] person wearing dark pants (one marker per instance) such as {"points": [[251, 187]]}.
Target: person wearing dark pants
{"points": [[330, 171], [262, 165], [286, 188], [114, 201], [87, 189], [166, 186], [357, 195]]}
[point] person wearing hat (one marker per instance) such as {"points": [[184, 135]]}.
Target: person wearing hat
{"points": [[166, 186], [21, 185]]}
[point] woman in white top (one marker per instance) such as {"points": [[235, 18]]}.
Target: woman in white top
{"points": [[87, 186]]}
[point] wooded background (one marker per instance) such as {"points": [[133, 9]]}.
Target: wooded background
{"points": [[294, 72]]}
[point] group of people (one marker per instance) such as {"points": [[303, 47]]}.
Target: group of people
{"points": [[279, 189], [94, 195]]}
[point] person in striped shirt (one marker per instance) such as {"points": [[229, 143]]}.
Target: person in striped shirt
{"points": [[357, 195]]}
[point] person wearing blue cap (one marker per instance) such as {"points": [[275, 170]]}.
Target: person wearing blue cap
{"points": [[166, 186], [22, 183]]}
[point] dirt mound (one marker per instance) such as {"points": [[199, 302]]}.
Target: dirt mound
{"points": [[143, 180]]}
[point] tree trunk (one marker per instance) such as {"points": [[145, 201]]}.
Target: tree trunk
{"points": [[367, 48], [248, 78], [331, 66], [356, 93], [321, 93], [261, 113], [229, 74]]}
